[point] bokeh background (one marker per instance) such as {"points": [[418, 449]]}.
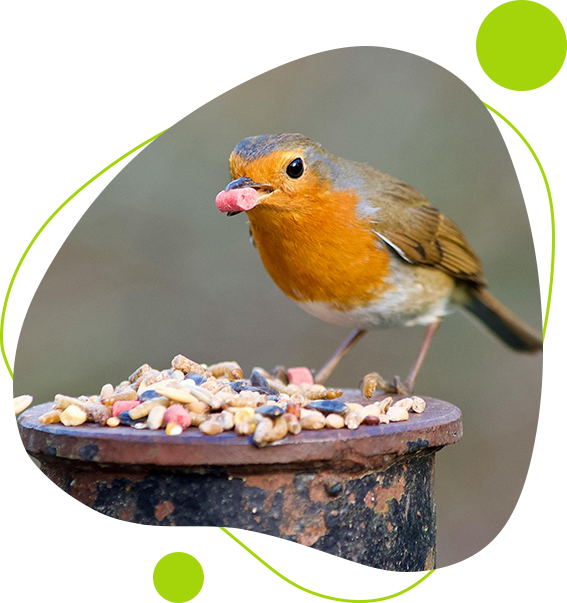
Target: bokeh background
{"points": [[153, 269]]}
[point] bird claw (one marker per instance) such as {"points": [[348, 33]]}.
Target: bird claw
{"points": [[375, 382], [401, 387]]}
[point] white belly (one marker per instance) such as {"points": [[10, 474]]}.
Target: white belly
{"points": [[413, 296]]}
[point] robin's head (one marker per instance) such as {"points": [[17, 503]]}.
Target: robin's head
{"points": [[287, 171]]}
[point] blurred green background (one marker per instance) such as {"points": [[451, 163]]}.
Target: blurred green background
{"points": [[153, 269]]}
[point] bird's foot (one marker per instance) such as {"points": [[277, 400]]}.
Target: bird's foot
{"points": [[374, 381]]}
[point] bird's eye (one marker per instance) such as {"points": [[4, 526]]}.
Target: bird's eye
{"points": [[295, 168]]}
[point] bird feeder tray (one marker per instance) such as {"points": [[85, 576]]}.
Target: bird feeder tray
{"points": [[365, 494]]}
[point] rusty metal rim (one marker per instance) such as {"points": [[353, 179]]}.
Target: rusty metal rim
{"points": [[438, 426]]}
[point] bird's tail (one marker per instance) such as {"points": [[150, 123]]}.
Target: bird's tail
{"points": [[513, 331]]}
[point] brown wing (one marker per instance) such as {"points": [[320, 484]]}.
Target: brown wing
{"points": [[423, 235]]}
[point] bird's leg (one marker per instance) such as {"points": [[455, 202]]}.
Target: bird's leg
{"points": [[410, 381], [325, 372]]}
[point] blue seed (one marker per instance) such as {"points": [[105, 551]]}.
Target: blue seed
{"points": [[199, 379], [125, 419], [270, 410], [149, 394], [238, 386], [258, 380], [329, 406]]}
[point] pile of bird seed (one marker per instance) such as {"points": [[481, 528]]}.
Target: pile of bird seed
{"points": [[216, 398]]}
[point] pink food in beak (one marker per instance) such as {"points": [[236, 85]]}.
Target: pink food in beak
{"points": [[238, 199]]}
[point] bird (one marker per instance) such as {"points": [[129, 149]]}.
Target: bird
{"points": [[359, 248]]}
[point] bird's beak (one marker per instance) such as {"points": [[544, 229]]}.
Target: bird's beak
{"points": [[262, 190], [243, 182]]}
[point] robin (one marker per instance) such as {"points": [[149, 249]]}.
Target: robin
{"points": [[359, 248]]}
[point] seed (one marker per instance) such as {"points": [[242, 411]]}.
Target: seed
{"points": [[316, 392], [418, 404], [405, 403], [245, 413], [279, 430], [354, 419], [73, 416], [259, 379], [244, 428], [210, 428], [329, 406], [270, 431], [384, 404], [230, 370], [371, 420], [312, 419], [211, 385], [152, 378], [187, 366], [172, 429], [371, 410], [238, 386], [222, 399], [126, 419], [51, 416], [97, 413], [299, 399], [225, 420], [197, 378], [334, 421], [177, 414], [21, 403], [177, 394], [299, 375], [263, 372], [270, 410], [122, 405], [288, 389], [178, 375], [145, 408], [106, 391], [142, 371], [247, 398], [62, 402], [293, 408], [293, 424], [198, 407], [198, 419], [149, 394], [397, 413], [113, 422], [263, 428], [124, 394], [197, 391]]}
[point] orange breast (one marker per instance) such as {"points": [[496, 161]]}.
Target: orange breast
{"points": [[320, 250]]}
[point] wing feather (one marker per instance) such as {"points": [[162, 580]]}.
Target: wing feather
{"points": [[423, 235]]}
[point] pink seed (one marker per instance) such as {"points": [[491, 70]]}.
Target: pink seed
{"points": [[122, 405], [299, 375], [178, 415]]}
